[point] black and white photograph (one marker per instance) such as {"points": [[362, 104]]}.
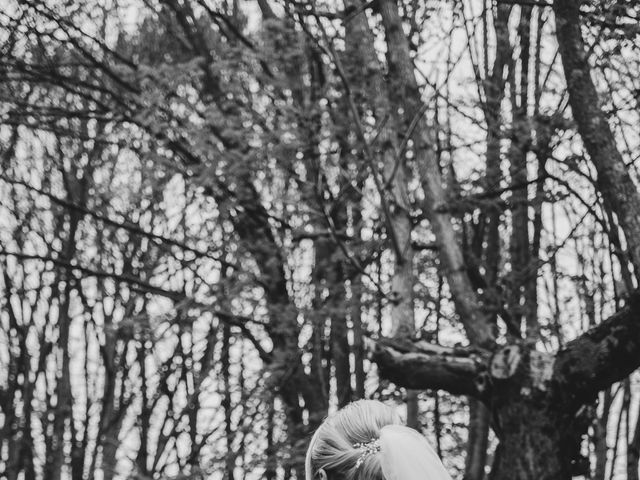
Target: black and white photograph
{"points": [[319, 239]]}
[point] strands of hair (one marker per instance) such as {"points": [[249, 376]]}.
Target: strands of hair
{"points": [[336, 447]]}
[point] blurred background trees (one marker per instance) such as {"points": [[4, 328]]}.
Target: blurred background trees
{"points": [[221, 220]]}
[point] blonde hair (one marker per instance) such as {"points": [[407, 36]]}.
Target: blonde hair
{"points": [[334, 448]]}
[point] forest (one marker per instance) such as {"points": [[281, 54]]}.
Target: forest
{"points": [[222, 220]]}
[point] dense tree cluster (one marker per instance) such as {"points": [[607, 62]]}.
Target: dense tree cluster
{"points": [[222, 219]]}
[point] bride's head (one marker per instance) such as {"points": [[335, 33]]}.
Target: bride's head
{"points": [[365, 441], [337, 450]]}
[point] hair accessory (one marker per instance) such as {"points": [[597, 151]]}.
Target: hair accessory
{"points": [[368, 448]]}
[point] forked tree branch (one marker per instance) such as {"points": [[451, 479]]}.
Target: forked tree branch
{"points": [[605, 354]]}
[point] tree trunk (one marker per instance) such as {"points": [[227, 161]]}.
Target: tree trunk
{"points": [[494, 92], [358, 337], [226, 402], [63, 416], [404, 93], [519, 147], [540, 403], [340, 353], [475, 461], [614, 182], [536, 442], [539, 427], [360, 43], [600, 437], [633, 451], [271, 466]]}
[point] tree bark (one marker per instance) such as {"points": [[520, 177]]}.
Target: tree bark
{"points": [[418, 365], [539, 402], [226, 403], [536, 442], [360, 47], [478, 440], [603, 355], [601, 449], [355, 308], [519, 246], [633, 450], [494, 93], [614, 182], [406, 95]]}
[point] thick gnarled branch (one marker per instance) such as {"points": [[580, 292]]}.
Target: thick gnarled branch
{"points": [[601, 356], [605, 354], [422, 365]]}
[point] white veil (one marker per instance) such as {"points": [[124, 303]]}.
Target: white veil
{"points": [[406, 455]]}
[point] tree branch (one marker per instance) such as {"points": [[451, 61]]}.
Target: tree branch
{"points": [[89, 272], [421, 364], [605, 354]]}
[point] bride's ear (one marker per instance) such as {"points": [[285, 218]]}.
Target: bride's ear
{"points": [[321, 474]]}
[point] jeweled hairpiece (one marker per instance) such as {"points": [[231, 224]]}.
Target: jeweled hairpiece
{"points": [[368, 448]]}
